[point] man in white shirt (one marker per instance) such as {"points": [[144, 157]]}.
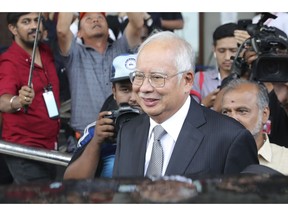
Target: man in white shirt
{"points": [[248, 102]]}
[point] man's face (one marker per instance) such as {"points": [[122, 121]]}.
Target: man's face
{"points": [[160, 103], [241, 104], [93, 25], [224, 49], [25, 30], [122, 92]]}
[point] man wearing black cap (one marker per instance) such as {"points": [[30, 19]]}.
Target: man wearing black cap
{"points": [[32, 127], [96, 148]]}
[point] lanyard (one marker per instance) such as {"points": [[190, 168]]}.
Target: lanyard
{"points": [[48, 86]]}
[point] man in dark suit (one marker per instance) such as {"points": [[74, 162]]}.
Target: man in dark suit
{"points": [[198, 141]]}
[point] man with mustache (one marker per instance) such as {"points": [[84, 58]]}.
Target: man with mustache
{"points": [[248, 102], [89, 64], [96, 148], [35, 126]]}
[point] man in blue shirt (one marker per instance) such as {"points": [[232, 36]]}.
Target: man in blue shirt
{"points": [[89, 64]]}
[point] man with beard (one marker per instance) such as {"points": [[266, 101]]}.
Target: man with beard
{"points": [[95, 154], [26, 117], [248, 102], [205, 88]]}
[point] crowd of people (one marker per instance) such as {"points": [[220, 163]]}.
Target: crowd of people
{"points": [[184, 122]]}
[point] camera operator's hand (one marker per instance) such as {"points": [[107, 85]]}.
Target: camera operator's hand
{"points": [[248, 53], [104, 128], [241, 36], [250, 56], [209, 100]]}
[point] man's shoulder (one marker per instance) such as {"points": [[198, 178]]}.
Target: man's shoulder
{"points": [[138, 121], [11, 51], [122, 41], [209, 72], [88, 134], [14, 56], [3, 49], [283, 149]]}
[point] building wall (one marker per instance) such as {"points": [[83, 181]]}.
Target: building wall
{"points": [[5, 36]]}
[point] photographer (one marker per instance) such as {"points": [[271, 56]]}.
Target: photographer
{"points": [[278, 97], [205, 87], [272, 71], [95, 154]]}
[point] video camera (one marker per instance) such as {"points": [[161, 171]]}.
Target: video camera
{"points": [[124, 114], [270, 44]]}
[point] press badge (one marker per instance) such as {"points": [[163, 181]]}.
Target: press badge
{"points": [[51, 104]]}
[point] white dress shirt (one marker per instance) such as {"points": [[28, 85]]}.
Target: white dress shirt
{"points": [[274, 156], [173, 127]]}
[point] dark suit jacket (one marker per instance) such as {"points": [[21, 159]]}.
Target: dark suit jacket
{"points": [[209, 143]]}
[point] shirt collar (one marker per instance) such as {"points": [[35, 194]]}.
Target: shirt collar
{"points": [[265, 151], [174, 124]]}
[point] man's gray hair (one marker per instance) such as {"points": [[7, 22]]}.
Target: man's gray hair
{"points": [[262, 97], [184, 54]]}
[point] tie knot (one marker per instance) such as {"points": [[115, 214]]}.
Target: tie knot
{"points": [[159, 131]]}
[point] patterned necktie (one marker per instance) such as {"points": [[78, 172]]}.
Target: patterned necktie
{"points": [[157, 156]]}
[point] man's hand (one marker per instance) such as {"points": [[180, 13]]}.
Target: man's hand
{"points": [[104, 128], [241, 36], [281, 90], [26, 95], [209, 100]]}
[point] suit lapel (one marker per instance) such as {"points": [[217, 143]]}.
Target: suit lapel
{"points": [[139, 138], [189, 140]]}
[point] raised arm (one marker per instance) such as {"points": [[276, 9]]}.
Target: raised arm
{"points": [[64, 34], [133, 29]]}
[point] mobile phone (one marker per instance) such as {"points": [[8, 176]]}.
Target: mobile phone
{"points": [[243, 24]]}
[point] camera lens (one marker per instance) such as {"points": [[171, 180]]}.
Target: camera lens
{"points": [[271, 68]]}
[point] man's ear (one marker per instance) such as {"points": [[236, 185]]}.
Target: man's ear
{"points": [[214, 52], [114, 91], [189, 77], [79, 34], [266, 114], [12, 29], [189, 80]]}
